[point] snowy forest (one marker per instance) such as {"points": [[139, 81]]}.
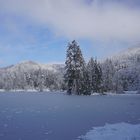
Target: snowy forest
{"points": [[117, 74]]}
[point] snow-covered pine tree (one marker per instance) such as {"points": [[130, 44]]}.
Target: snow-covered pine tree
{"points": [[91, 74], [85, 89], [108, 71], [41, 80], [98, 77], [74, 68], [118, 82], [138, 84], [95, 75]]}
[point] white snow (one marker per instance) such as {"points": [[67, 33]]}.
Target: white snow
{"points": [[25, 90], [30, 65], [2, 90], [95, 93], [130, 92], [119, 131], [128, 53]]}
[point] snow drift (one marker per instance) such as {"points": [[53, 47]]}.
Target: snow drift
{"points": [[119, 131]]}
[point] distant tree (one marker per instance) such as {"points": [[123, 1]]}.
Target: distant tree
{"points": [[108, 71], [118, 82], [91, 74], [139, 84], [98, 77], [74, 68], [41, 80], [8, 81], [95, 75], [85, 89]]}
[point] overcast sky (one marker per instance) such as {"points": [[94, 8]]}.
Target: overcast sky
{"points": [[39, 30]]}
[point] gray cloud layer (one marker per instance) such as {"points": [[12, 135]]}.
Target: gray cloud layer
{"points": [[79, 19]]}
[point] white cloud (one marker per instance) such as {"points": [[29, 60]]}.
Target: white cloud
{"points": [[77, 19]]}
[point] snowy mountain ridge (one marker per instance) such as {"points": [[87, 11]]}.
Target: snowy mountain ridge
{"points": [[132, 51], [120, 73], [31, 65], [32, 76], [128, 56]]}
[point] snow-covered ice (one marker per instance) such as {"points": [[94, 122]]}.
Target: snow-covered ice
{"points": [[130, 92], [41, 116], [119, 131]]}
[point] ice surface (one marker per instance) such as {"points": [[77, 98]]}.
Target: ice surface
{"points": [[41, 116], [119, 131]]}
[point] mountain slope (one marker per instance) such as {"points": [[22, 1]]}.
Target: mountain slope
{"points": [[122, 73], [32, 75], [128, 68], [128, 57], [30, 65]]}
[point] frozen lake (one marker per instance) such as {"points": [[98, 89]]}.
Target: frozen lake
{"points": [[54, 116]]}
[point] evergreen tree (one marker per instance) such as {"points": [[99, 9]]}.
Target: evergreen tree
{"points": [[98, 79], [108, 71], [91, 74], [95, 75], [74, 68], [85, 82], [41, 80]]}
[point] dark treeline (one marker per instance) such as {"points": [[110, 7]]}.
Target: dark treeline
{"points": [[87, 78], [35, 79], [77, 76], [81, 78]]}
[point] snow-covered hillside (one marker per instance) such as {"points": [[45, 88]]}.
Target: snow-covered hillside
{"points": [[130, 52], [30, 65], [122, 71], [32, 75], [119, 131], [128, 57]]}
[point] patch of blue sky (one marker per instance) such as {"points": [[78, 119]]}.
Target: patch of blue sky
{"points": [[23, 39]]}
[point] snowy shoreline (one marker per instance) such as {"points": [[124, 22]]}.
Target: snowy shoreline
{"points": [[56, 116], [93, 94], [21, 90], [117, 131]]}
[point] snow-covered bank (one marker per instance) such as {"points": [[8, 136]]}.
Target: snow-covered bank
{"points": [[124, 93], [115, 93], [131, 92], [55, 116], [24, 90], [2, 90], [119, 131]]}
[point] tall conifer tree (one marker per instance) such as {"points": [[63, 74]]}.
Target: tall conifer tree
{"points": [[74, 68]]}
